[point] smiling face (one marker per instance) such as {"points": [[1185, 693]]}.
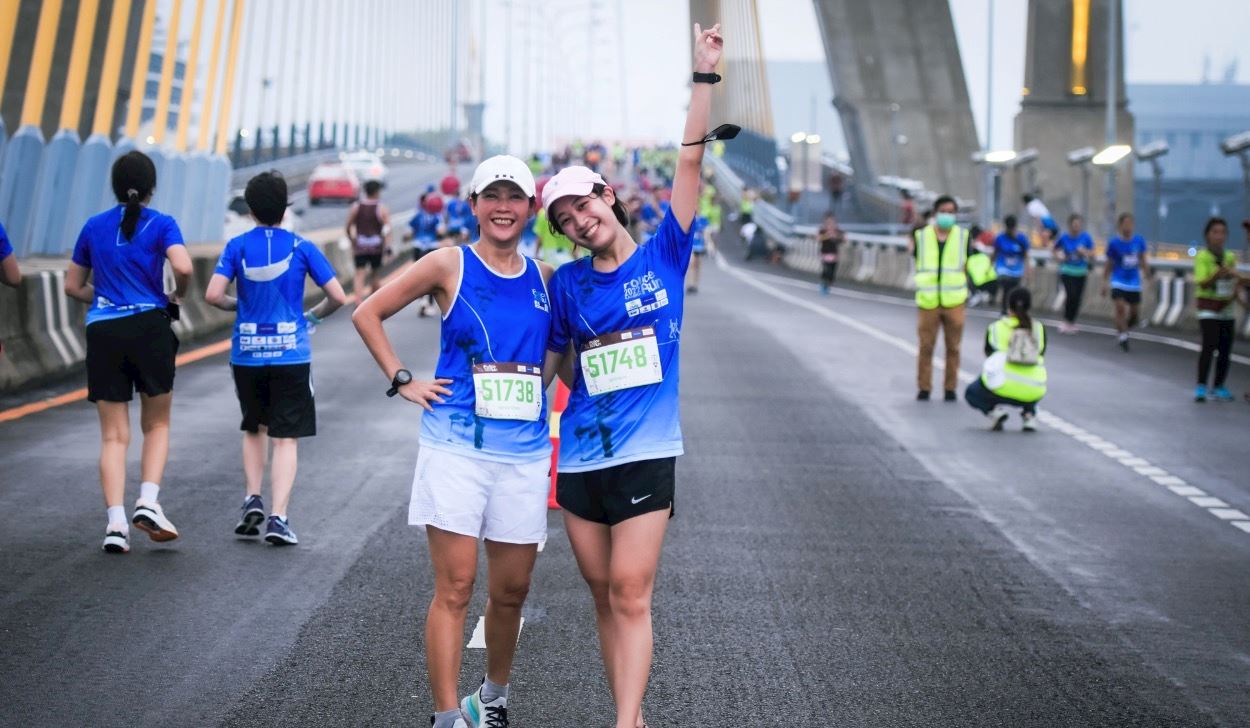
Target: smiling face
{"points": [[502, 209], [588, 220]]}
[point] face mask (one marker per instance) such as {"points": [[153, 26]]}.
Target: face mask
{"points": [[945, 220]]}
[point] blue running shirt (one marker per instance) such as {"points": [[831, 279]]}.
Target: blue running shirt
{"points": [[6, 249], [424, 230], [1074, 266], [1125, 258], [1009, 254], [129, 275], [493, 319], [697, 228], [269, 265], [647, 291]]}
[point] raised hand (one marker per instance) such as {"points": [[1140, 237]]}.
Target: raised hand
{"points": [[708, 45]]}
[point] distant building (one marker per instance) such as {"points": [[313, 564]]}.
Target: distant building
{"points": [[1198, 179]]}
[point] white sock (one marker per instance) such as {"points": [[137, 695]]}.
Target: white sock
{"points": [[148, 491], [117, 519]]}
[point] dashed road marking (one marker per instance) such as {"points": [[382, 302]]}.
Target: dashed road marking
{"points": [[1217, 507]]}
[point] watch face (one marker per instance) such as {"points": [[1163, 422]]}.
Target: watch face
{"points": [[403, 376]]}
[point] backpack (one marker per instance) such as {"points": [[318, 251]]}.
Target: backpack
{"points": [[1023, 348]]}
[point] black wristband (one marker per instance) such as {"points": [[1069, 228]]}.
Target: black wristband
{"points": [[706, 77]]}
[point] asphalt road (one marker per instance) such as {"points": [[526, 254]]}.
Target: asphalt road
{"points": [[842, 555]]}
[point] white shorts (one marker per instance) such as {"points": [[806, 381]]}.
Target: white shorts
{"points": [[504, 502]]}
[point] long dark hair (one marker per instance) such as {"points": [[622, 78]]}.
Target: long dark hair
{"points": [[134, 178], [1019, 301]]}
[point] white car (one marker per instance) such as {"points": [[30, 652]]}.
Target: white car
{"points": [[366, 165], [239, 219]]}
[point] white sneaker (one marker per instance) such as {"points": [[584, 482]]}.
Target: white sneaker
{"points": [[1030, 422], [480, 714], [149, 517], [116, 542], [997, 417]]}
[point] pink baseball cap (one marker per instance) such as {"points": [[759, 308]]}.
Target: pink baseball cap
{"points": [[570, 182]]}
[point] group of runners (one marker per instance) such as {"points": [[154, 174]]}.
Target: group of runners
{"points": [[607, 324]]}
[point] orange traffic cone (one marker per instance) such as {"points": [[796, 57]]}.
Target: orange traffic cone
{"points": [[553, 422]]}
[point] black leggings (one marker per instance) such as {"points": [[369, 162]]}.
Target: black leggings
{"points": [[1217, 335], [1006, 284], [828, 271], [1073, 289]]}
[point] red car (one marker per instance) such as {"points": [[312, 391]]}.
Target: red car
{"points": [[333, 182]]}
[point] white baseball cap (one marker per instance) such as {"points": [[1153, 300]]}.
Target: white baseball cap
{"points": [[503, 168], [570, 182]]}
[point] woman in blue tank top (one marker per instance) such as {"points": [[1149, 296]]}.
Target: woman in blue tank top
{"points": [[617, 318], [483, 467]]}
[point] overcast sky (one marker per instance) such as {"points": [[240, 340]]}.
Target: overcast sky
{"points": [[576, 54]]}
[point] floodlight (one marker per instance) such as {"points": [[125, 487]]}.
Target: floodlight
{"points": [[1153, 150], [1081, 156], [1111, 155], [1236, 143], [1000, 156], [797, 137], [813, 139]]}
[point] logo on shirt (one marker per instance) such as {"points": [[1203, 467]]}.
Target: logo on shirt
{"points": [[645, 294], [540, 300], [649, 283], [674, 329]]}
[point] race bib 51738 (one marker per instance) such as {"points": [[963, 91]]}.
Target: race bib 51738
{"points": [[508, 391]]}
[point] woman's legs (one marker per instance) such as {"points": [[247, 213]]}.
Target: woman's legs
{"points": [[1007, 285], [454, 558], [1121, 315], [1210, 338], [1224, 344], [592, 547], [255, 455], [1073, 290], [114, 441], [508, 569], [154, 419]]}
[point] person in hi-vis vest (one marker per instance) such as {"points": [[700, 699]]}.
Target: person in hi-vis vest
{"points": [[941, 250], [1014, 374]]}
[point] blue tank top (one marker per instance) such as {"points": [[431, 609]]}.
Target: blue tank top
{"points": [[493, 319]]}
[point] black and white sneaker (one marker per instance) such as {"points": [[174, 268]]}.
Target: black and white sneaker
{"points": [[117, 542], [278, 532], [253, 516], [149, 517]]}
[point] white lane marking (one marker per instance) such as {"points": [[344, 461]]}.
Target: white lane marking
{"points": [[1051, 420], [1228, 514], [1150, 470], [1207, 501], [49, 316], [909, 303], [478, 640], [1187, 490]]}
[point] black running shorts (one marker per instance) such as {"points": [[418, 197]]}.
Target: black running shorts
{"points": [[371, 260], [129, 353], [1130, 297], [278, 396], [620, 492]]}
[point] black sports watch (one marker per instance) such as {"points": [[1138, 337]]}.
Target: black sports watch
{"points": [[706, 77], [402, 377]]}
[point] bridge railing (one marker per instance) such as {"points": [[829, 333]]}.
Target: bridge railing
{"points": [[877, 255]]}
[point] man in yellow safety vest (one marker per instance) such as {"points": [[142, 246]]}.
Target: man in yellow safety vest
{"points": [[941, 250]]}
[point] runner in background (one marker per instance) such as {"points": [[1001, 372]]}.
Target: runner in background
{"points": [[426, 229], [1075, 250], [1216, 278], [368, 228], [1123, 274]]}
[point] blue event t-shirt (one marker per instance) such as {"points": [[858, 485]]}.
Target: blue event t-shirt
{"points": [[424, 229], [129, 275], [698, 243], [1009, 254], [1125, 258], [639, 423], [270, 264], [6, 249], [459, 215], [1074, 266]]}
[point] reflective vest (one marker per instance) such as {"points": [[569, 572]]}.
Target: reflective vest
{"points": [[941, 283], [1021, 382], [1205, 265], [981, 269]]}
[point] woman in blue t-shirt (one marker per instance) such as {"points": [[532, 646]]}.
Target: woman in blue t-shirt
{"points": [[617, 315], [130, 343], [1123, 274], [1074, 249], [1011, 258], [10, 274]]}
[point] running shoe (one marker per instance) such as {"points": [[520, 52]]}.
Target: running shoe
{"points": [[458, 724], [922, 395], [950, 396], [997, 417], [481, 714], [278, 532], [1200, 393], [253, 516], [1030, 422], [150, 518], [1221, 394], [1124, 341], [117, 542]]}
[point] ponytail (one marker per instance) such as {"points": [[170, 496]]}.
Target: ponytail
{"points": [[134, 179], [1019, 302]]}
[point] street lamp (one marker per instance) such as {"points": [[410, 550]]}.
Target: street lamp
{"points": [[1151, 153], [1239, 144], [996, 161], [1108, 158], [1082, 158]]}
